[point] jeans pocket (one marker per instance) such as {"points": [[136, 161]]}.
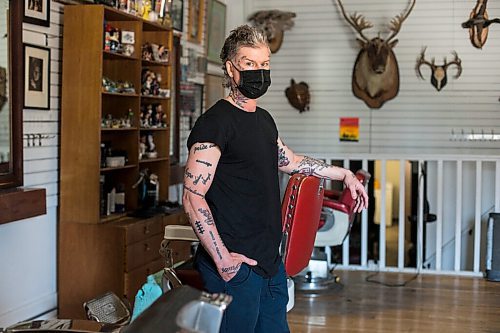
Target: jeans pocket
{"points": [[241, 276]]}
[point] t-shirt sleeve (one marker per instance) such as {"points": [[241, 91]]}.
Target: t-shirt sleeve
{"points": [[208, 128]]}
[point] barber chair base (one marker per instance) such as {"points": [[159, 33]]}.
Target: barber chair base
{"points": [[313, 285], [316, 277]]}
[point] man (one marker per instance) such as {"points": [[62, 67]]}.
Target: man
{"points": [[231, 191]]}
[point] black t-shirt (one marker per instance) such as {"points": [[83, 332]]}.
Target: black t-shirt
{"points": [[244, 196]]}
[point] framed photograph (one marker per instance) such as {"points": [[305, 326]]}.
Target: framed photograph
{"points": [[214, 89], [177, 14], [195, 20], [37, 12], [36, 77], [216, 30]]}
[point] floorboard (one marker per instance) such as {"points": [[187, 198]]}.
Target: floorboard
{"points": [[429, 303]]}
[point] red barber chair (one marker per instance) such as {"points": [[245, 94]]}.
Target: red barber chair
{"points": [[337, 217]]}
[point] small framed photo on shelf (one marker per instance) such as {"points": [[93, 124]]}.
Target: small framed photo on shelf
{"points": [[36, 77], [195, 20], [216, 30], [37, 12], [177, 14]]}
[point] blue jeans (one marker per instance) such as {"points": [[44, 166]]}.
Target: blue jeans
{"points": [[259, 304]]}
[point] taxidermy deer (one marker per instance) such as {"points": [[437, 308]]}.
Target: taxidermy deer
{"points": [[375, 77], [438, 72], [273, 23], [478, 24]]}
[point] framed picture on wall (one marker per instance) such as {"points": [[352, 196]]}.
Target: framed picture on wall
{"points": [[36, 77], [177, 14], [37, 12], [195, 20], [213, 89], [216, 30]]}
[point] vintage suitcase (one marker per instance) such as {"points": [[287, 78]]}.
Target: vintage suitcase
{"points": [[300, 214]]}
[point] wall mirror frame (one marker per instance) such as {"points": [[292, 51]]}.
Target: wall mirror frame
{"points": [[11, 172]]}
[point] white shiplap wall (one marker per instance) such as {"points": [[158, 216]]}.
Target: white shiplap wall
{"points": [[320, 50], [28, 285]]}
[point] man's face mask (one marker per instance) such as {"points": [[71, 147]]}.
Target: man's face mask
{"points": [[254, 83]]}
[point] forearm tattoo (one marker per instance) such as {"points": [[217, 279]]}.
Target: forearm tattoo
{"points": [[203, 146], [193, 191], [214, 242], [231, 269], [282, 159], [310, 166], [208, 217], [199, 227], [204, 162], [203, 180], [188, 174]]}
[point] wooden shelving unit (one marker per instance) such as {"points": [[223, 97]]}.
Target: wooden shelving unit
{"points": [[99, 253]]}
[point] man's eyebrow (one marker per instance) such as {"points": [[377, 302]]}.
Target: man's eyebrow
{"points": [[246, 58]]}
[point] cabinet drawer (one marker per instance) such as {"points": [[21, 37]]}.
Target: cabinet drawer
{"points": [[178, 218], [142, 252], [144, 229], [136, 278]]}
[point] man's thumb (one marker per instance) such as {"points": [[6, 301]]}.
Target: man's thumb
{"points": [[249, 261]]}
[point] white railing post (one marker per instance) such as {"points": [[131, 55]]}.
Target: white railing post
{"points": [[345, 245], [477, 220], [364, 226], [458, 218], [420, 217], [382, 241], [401, 219], [439, 213]]}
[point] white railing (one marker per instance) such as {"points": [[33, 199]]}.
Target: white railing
{"points": [[461, 190]]}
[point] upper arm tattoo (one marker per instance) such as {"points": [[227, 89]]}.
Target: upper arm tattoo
{"points": [[310, 166], [203, 146]]}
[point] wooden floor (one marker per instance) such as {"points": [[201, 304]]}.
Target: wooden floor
{"points": [[427, 304]]}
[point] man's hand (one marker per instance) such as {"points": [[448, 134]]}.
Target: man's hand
{"points": [[230, 266], [358, 191]]}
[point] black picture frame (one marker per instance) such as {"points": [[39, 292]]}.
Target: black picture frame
{"points": [[177, 15], [36, 77], [37, 12]]}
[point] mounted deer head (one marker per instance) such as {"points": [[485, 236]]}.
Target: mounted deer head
{"points": [[375, 77], [438, 75], [273, 23], [478, 24]]}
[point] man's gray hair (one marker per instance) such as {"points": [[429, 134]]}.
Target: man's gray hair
{"points": [[242, 36]]}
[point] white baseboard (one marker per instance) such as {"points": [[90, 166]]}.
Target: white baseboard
{"points": [[43, 305]]}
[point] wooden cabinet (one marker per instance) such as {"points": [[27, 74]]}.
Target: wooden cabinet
{"points": [[115, 256], [99, 252]]}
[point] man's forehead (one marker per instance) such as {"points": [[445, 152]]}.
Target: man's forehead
{"points": [[257, 54]]}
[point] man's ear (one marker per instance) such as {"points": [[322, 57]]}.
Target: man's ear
{"points": [[229, 69]]}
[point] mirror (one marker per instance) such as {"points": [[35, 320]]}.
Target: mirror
{"points": [[11, 93]]}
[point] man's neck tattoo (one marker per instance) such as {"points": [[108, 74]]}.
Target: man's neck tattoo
{"points": [[238, 97]]}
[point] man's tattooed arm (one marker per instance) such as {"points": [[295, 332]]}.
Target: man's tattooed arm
{"points": [[291, 163], [198, 176]]}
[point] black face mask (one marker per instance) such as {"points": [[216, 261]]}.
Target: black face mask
{"points": [[254, 83]]}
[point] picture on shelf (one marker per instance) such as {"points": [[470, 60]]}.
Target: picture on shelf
{"points": [[37, 12], [36, 77], [195, 20], [177, 14]]}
